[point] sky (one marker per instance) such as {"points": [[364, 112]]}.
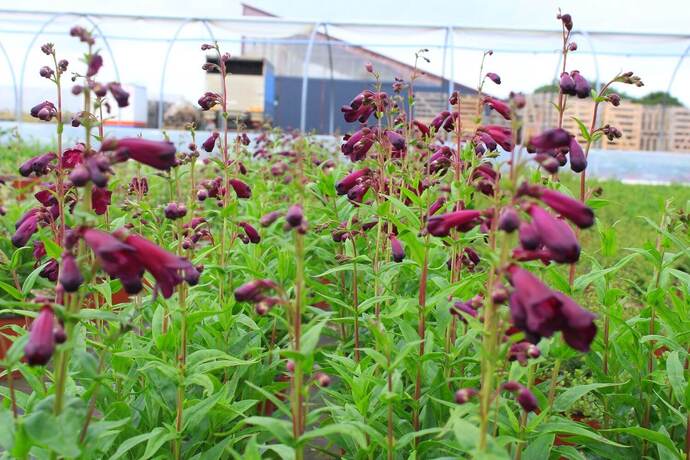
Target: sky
{"points": [[141, 63]]}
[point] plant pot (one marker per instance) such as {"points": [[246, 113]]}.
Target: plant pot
{"points": [[6, 333]]}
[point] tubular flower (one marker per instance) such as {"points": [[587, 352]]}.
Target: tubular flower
{"points": [[44, 111], [463, 395], [294, 216], [70, 277], [100, 200], [494, 77], [168, 269], [396, 248], [527, 400], [210, 143], [351, 180], [38, 165], [570, 208], [268, 219], [499, 106], [442, 225], [423, 129], [121, 96], [540, 312], [529, 236], [241, 189], [41, 344], [567, 84], [253, 290], [556, 235], [444, 120], [509, 220], [436, 206], [550, 140], [396, 140], [25, 227], [578, 162], [251, 232], [502, 135], [358, 144], [117, 259], [582, 88], [157, 154], [209, 100], [95, 64], [360, 108]]}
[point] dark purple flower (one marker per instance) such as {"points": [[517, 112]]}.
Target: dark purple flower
{"points": [[241, 189], [38, 165], [268, 219], [578, 162], [509, 220], [574, 210], [121, 96], [295, 215], [499, 106], [396, 140], [441, 225], [50, 271], [567, 84], [443, 120], [360, 108], [44, 111], [95, 64], [529, 236], [396, 248], [253, 290], [436, 206], [582, 88], [550, 140], [494, 77], [463, 395], [100, 200], [251, 232], [540, 312], [502, 135], [168, 269], [41, 344], [351, 180], [209, 100], [358, 144], [70, 276], [527, 400], [157, 154], [210, 143], [116, 258], [556, 235], [25, 227]]}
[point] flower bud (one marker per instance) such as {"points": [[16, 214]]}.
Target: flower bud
{"points": [[322, 379], [509, 220], [463, 395], [527, 400], [70, 277], [295, 215]]}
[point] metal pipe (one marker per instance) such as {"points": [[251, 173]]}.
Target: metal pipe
{"points": [[305, 79], [14, 80], [331, 98]]}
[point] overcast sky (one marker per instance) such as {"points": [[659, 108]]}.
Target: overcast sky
{"points": [[520, 71]]}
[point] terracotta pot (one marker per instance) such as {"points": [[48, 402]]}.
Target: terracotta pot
{"points": [[25, 185], [6, 333]]}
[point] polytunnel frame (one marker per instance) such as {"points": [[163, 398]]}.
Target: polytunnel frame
{"points": [[32, 43], [448, 45], [168, 51]]}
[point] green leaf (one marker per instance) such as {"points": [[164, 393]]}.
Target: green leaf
{"points": [[11, 290], [539, 448], [573, 429], [310, 338], [31, 279], [53, 250], [652, 436], [281, 429], [160, 437], [583, 129], [675, 373], [194, 414], [571, 395], [131, 443], [342, 429]]}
